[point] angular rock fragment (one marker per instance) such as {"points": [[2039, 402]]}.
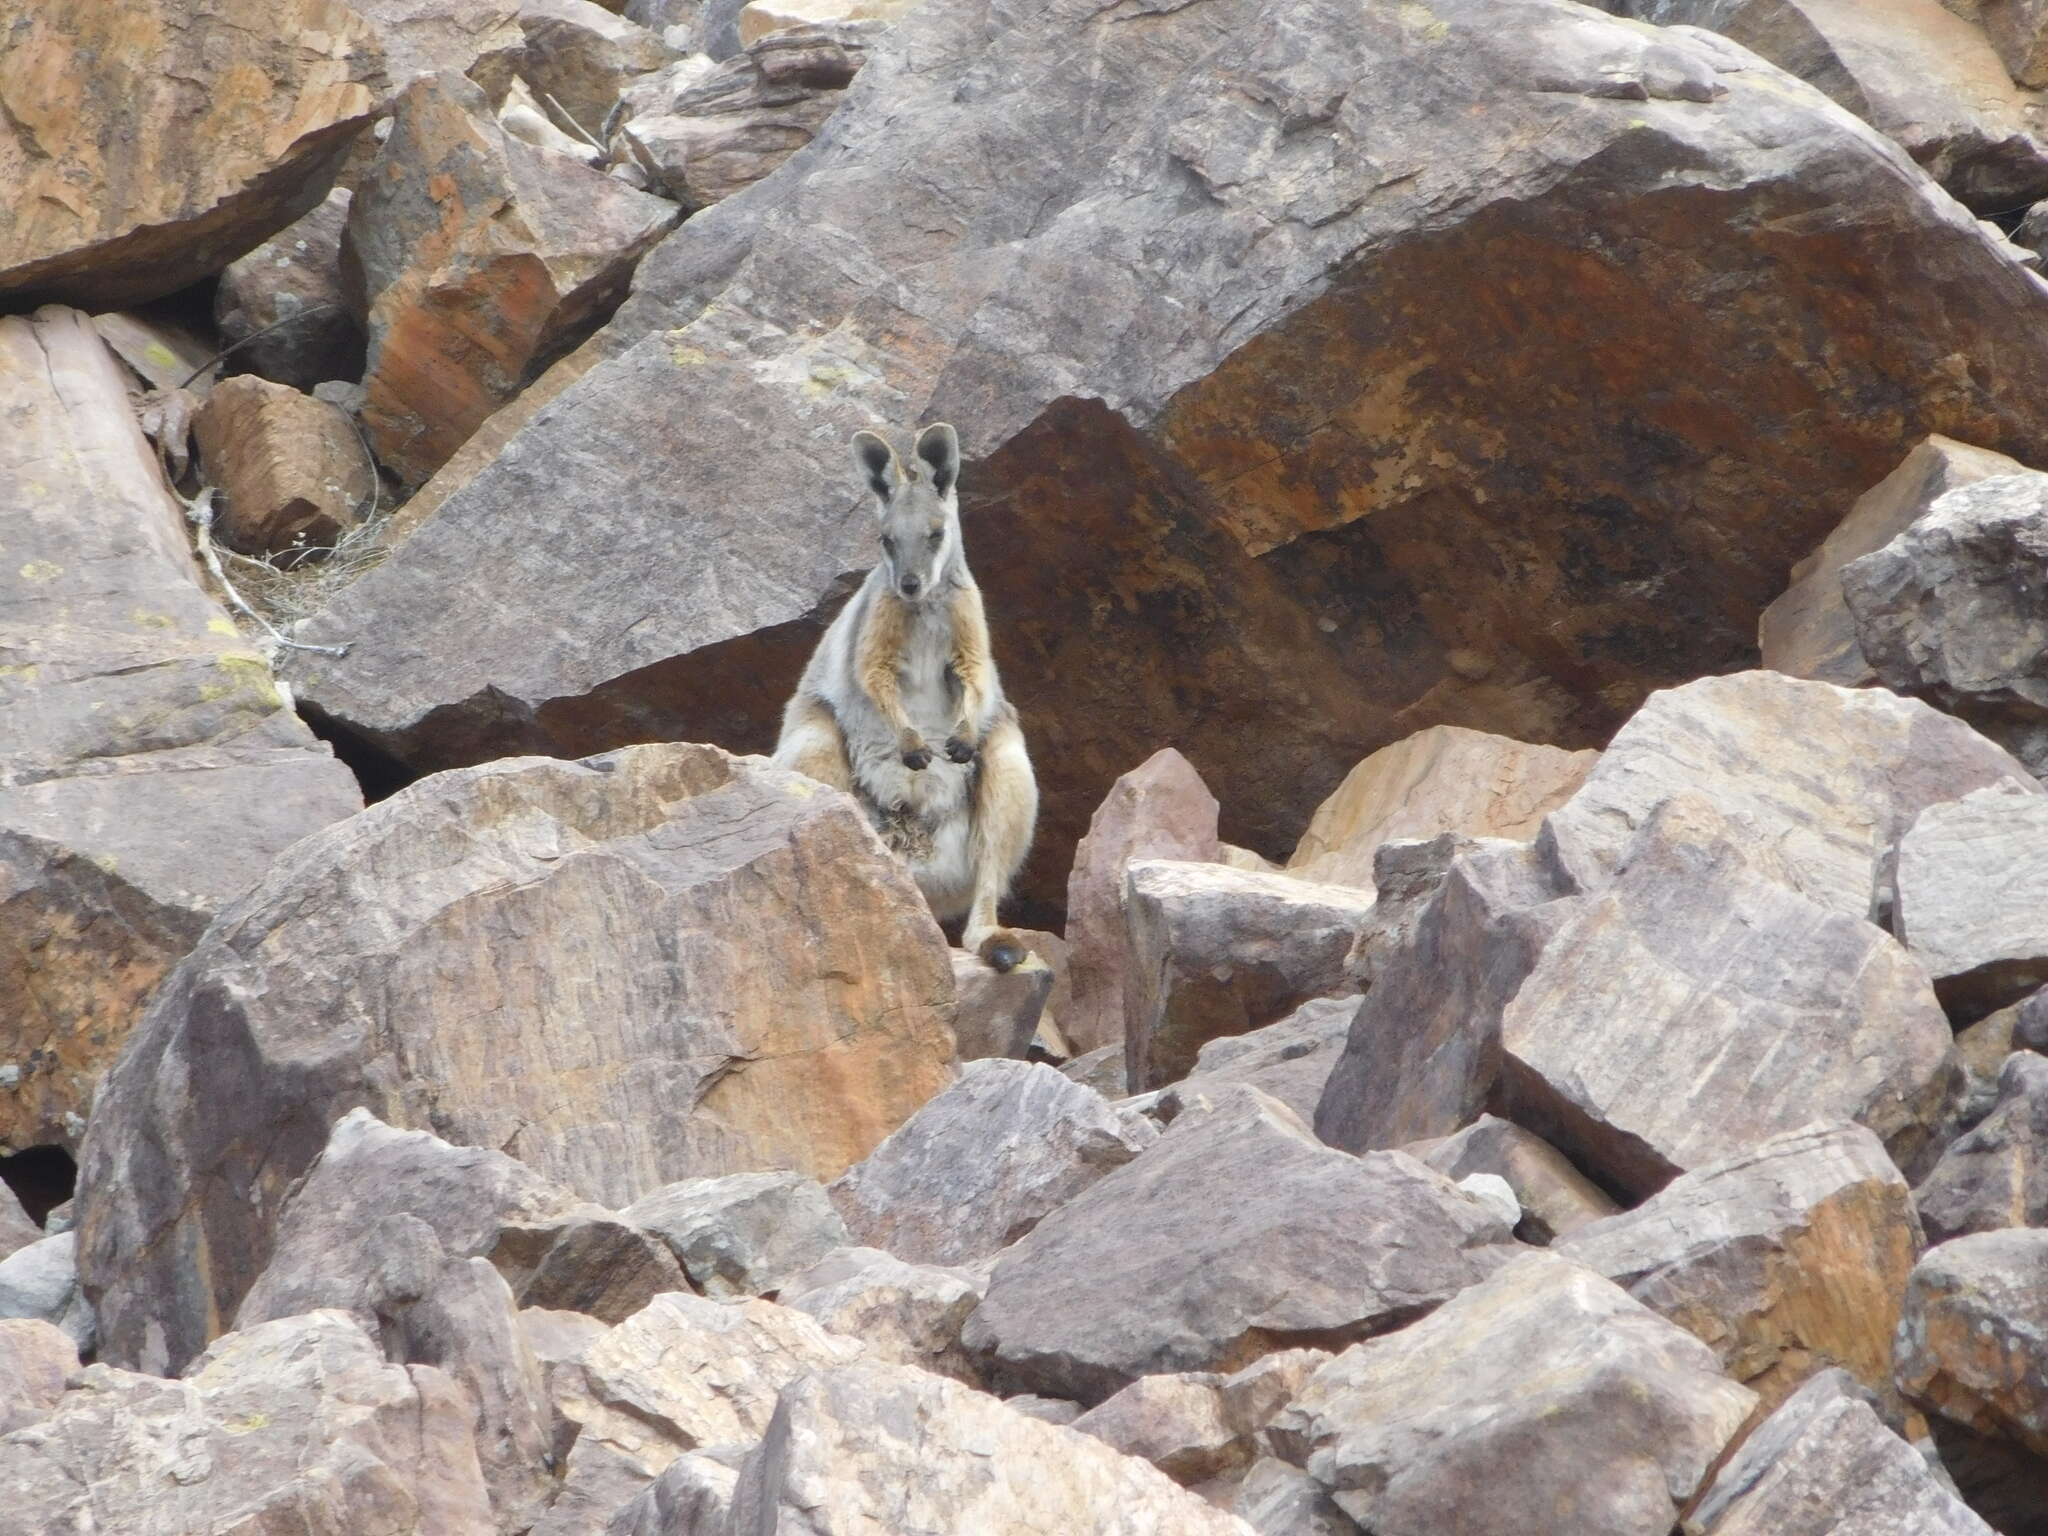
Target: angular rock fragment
{"points": [[1950, 610], [148, 155], [885, 1447], [1544, 1400], [1785, 1260], [758, 18], [1161, 809], [1276, 1499], [1235, 1235], [1406, 874], [295, 477], [1259, 509], [165, 354], [577, 56], [1868, 763], [150, 769], [693, 1493], [1973, 1340], [1290, 1060], [1825, 1465], [983, 1163], [1970, 897], [999, 1011], [296, 1425], [1808, 631], [1911, 69], [909, 1313], [1698, 1006], [36, 1358], [748, 115], [577, 983], [478, 259], [1216, 951], [1996, 1173], [423, 36], [1198, 1426], [2018, 29], [40, 1282], [585, 1259], [743, 1234], [1556, 1199], [17, 1228], [293, 281], [1444, 779]]}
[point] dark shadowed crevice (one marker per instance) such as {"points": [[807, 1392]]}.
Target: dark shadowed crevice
{"points": [[41, 1178]]}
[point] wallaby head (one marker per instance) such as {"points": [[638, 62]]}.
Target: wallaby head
{"points": [[920, 515]]}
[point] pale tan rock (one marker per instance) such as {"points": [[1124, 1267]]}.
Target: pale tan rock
{"points": [[1159, 810], [295, 477], [1809, 631], [2018, 29], [35, 1359], [479, 259], [294, 277], [909, 1313], [760, 17], [1198, 1426], [149, 768], [1542, 1401], [1970, 897], [294, 1425], [1786, 1260], [164, 354], [1556, 1199], [1973, 1338], [1215, 951], [743, 1234], [999, 1011], [422, 36], [870, 1448], [1444, 779], [17, 1228], [145, 155], [579, 984]]}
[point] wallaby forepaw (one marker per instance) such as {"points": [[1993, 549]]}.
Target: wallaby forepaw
{"points": [[959, 749], [1002, 951], [916, 755]]}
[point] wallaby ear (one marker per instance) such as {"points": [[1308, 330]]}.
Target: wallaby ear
{"points": [[878, 466], [939, 446]]}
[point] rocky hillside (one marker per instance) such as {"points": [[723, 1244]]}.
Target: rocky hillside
{"points": [[1518, 534]]}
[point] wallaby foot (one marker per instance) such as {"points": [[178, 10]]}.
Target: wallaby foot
{"points": [[959, 750], [1002, 950]]}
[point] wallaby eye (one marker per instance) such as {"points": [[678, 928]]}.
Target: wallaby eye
{"points": [[888, 546], [937, 534]]}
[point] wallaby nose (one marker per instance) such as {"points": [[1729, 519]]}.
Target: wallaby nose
{"points": [[911, 586]]}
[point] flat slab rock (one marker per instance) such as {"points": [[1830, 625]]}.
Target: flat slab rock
{"points": [[543, 957], [1543, 1400], [1235, 1235], [1825, 1465], [298, 1424], [1245, 512], [1970, 897], [886, 1447], [984, 1162], [1785, 1260]]}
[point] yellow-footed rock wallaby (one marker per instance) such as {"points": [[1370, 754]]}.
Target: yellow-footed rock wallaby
{"points": [[902, 706]]}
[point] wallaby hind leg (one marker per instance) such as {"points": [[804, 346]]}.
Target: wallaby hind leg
{"points": [[1005, 812], [813, 744]]}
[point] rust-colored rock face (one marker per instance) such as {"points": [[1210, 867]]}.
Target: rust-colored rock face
{"points": [[1357, 429], [293, 470], [147, 143], [478, 258]]}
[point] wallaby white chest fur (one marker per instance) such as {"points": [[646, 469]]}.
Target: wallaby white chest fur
{"points": [[902, 705]]}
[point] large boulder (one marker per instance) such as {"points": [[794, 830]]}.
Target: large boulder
{"points": [[984, 1162], [1161, 809], [1973, 1339], [1912, 69], [477, 259], [1951, 609], [1216, 951], [558, 960], [296, 1425], [41, 1282], [1300, 497], [150, 769], [1444, 779], [1970, 897], [889, 1448], [293, 474], [1996, 1173], [1825, 1464], [1542, 1401], [1236, 1234], [1698, 1006], [145, 155], [1785, 1260], [1808, 631], [2019, 31], [1832, 807]]}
